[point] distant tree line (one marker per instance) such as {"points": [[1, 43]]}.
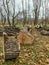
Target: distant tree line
{"points": [[8, 11]]}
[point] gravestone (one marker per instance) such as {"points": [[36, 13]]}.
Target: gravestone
{"points": [[25, 37], [11, 47]]}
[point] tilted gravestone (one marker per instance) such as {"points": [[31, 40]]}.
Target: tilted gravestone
{"points": [[25, 37], [11, 47]]}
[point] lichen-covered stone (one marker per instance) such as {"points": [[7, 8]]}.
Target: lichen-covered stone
{"points": [[11, 47]]}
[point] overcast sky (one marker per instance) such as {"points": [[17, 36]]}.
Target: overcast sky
{"points": [[18, 5]]}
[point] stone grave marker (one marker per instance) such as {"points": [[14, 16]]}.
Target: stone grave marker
{"points": [[11, 47]]}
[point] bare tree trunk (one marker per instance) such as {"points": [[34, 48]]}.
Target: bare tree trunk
{"points": [[37, 5], [13, 22], [36, 17], [13, 4], [23, 11], [28, 10], [8, 13]]}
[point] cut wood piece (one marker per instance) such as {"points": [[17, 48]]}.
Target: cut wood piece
{"points": [[11, 47]]}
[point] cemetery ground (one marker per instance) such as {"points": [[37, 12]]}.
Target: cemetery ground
{"points": [[36, 53]]}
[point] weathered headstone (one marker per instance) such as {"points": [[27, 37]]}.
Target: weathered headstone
{"points": [[11, 47], [25, 37]]}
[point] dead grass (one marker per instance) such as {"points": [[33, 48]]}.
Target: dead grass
{"points": [[36, 54]]}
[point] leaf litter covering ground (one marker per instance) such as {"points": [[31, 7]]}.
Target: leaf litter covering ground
{"points": [[35, 54]]}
